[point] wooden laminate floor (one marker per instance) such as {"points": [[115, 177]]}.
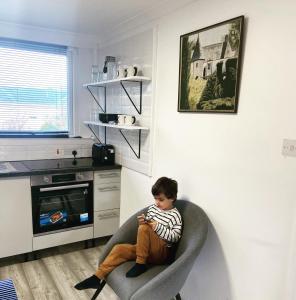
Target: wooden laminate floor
{"points": [[55, 272]]}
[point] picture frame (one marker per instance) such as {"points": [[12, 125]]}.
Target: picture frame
{"points": [[209, 68]]}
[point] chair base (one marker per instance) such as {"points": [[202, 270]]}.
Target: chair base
{"points": [[98, 291], [178, 297]]}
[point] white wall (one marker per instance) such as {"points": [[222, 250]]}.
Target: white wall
{"points": [[231, 165], [84, 55]]}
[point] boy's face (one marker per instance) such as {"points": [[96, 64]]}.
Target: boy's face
{"points": [[162, 202]]}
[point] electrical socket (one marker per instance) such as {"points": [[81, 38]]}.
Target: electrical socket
{"points": [[68, 152], [289, 147], [59, 152]]}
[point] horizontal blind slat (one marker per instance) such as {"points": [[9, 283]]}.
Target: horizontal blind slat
{"points": [[33, 87]]}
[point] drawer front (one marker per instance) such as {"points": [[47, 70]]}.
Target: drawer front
{"points": [[106, 222], [62, 238], [106, 196], [107, 176]]}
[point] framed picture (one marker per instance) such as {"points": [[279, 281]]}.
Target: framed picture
{"points": [[209, 68]]}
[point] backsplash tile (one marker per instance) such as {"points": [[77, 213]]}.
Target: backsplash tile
{"points": [[22, 149], [134, 50]]}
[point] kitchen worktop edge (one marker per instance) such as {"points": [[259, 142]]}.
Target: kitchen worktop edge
{"points": [[24, 171]]}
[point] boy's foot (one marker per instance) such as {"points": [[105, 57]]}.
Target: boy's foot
{"points": [[92, 282], [136, 270]]}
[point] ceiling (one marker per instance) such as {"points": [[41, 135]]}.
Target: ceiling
{"points": [[96, 17]]}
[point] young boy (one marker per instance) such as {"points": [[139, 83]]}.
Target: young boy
{"points": [[157, 232]]}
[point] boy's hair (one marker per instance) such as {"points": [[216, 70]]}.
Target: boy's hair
{"points": [[167, 186]]}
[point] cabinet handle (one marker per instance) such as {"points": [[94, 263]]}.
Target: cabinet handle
{"points": [[64, 187], [108, 189], [107, 216], [108, 175]]}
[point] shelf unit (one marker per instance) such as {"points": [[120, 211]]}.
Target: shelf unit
{"points": [[122, 81], [103, 84], [120, 128], [127, 127], [106, 82]]}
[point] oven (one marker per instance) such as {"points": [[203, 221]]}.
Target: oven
{"points": [[61, 202]]}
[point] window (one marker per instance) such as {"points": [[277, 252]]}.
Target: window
{"points": [[34, 89]]}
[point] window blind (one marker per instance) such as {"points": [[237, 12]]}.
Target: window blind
{"points": [[34, 89]]}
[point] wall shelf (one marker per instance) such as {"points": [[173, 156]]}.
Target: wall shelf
{"points": [[126, 127], [120, 128], [122, 81], [103, 84], [107, 82]]}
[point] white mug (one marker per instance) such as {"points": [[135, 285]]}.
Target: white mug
{"points": [[129, 120], [131, 71], [121, 119], [121, 72]]}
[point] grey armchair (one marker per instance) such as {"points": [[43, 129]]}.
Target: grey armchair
{"points": [[160, 282]]}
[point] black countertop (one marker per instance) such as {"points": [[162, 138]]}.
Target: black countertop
{"points": [[54, 166]]}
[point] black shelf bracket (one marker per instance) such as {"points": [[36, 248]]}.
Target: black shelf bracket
{"points": [[97, 137], [96, 99], [137, 152], [139, 110], [139, 145]]}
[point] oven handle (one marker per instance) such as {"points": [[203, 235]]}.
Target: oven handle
{"points": [[64, 187]]}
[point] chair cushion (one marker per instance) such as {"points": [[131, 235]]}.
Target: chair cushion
{"points": [[126, 287]]}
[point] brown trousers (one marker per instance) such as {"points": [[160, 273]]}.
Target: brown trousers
{"points": [[150, 248]]}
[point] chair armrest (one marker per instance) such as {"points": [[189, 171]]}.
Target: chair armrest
{"points": [[127, 233], [166, 284]]}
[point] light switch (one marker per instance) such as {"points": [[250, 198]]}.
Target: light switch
{"points": [[289, 147]]}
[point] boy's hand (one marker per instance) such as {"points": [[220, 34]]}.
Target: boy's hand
{"points": [[141, 219], [152, 224]]}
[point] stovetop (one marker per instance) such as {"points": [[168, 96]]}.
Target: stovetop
{"points": [[57, 164]]}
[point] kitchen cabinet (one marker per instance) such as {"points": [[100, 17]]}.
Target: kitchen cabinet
{"points": [[62, 238], [16, 230], [106, 202], [103, 84], [106, 222]]}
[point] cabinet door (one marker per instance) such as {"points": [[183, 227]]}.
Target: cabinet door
{"points": [[106, 222], [62, 238], [106, 190], [106, 196], [16, 230], [107, 176]]}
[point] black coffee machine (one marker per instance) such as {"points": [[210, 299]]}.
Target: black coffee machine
{"points": [[103, 154]]}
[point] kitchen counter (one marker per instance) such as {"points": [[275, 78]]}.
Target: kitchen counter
{"points": [[23, 206], [51, 166]]}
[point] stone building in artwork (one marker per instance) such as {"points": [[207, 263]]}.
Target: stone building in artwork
{"points": [[204, 60]]}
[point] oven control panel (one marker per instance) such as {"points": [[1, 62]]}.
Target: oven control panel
{"points": [[37, 180]]}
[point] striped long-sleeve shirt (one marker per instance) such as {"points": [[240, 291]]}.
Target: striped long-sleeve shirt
{"points": [[169, 223]]}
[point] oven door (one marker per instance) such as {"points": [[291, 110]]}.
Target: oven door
{"points": [[62, 206]]}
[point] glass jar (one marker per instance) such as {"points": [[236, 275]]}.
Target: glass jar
{"points": [[94, 73], [111, 70]]}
